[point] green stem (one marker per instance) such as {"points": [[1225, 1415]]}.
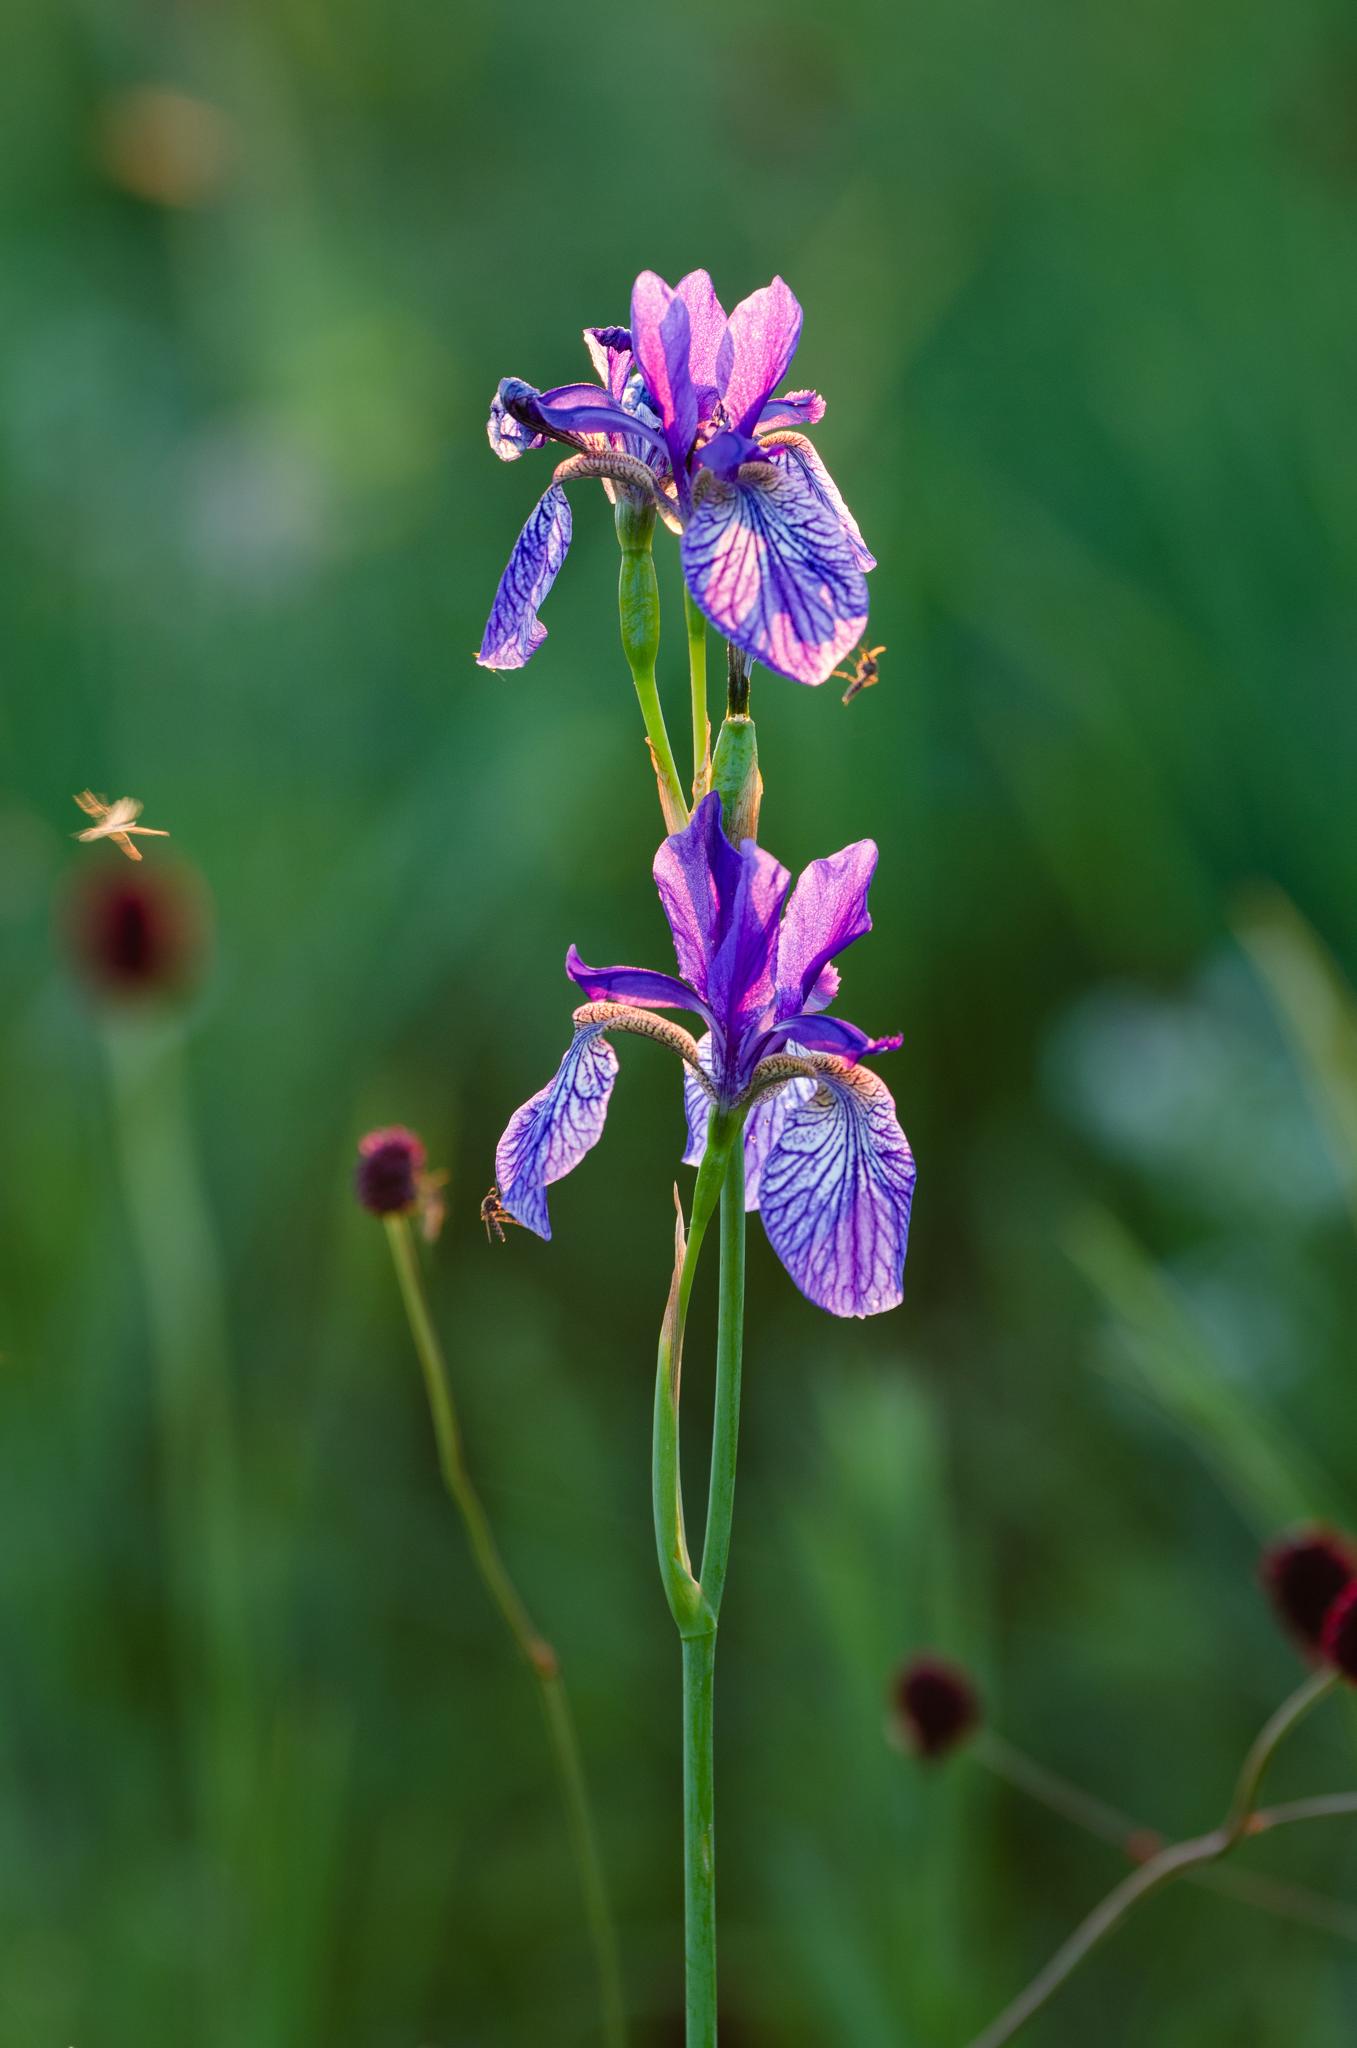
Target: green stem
{"points": [[638, 608], [729, 1354], [697, 685], [536, 1651], [1179, 1860], [699, 1840]]}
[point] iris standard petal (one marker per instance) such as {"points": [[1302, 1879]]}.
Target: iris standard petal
{"points": [[723, 909], [637, 985], [802, 460], [760, 342], [826, 912], [835, 1193], [706, 328], [664, 364], [513, 632], [771, 565], [551, 1133]]}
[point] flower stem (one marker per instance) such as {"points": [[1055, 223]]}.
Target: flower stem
{"points": [[638, 607], [1180, 1859], [697, 685], [699, 1840], [537, 1653], [695, 1605]]}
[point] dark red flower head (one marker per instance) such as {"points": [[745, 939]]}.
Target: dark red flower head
{"points": [[138, 933], [1339, 1640], [390, 1163], [1304, 1573], [935, 1705]]}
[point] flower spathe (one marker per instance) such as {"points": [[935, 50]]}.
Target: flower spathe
{"points": [[684, 416], [827, 1164]]}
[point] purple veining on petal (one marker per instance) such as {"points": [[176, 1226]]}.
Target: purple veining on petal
{"points": [[697, 1102], [552, 1131], [835, 1194], [826, 912], [763, 332], [513, 632], [793, 409], [763, 1125], [507, 436], [772, 567], [638, 985], [804, 463]]}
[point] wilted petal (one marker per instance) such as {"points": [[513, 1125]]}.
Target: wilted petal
{"points": [[571, 412], [826, 912], [771, 565], [835, 1193], [637, 985], [610, 353], [793, 409], [552, 1132], [507, 436], [803, 461], [759, 345], [513, 632]]}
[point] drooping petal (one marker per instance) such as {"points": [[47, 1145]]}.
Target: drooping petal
{"points": [[513, 632], [723, 909], [835, 1193], [551, 1133], [802, 459], [826, 912], [793, 409], [760, 342], [637, 985], [771, 565], [571, 412], [763, 1125], [507, 436], [818, 1033], [697, 1102]]}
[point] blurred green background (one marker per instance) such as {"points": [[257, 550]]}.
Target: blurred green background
{"points": [[1079, 288]]}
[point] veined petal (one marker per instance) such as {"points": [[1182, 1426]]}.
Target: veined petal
{"points": [[802, 459], [637, 985], [763, 1125], [826, 912], [513, 632], [793, 409], [835, 1193], [697, 1102], [507, 436], [552, 1132], [772, 566], [706, 327], [760, 342]]}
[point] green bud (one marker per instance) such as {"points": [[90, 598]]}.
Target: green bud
{"points": [[735, 775]]}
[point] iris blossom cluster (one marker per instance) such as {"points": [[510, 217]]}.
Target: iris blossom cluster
{"points": [[684, 419], [826, 1162]]}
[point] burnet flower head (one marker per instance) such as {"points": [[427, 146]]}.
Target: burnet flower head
{"points": [[826, 1162], [684, 417]]}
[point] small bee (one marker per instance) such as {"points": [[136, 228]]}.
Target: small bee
{"points": [[863, 675], [494, 1216], [116, 821]]}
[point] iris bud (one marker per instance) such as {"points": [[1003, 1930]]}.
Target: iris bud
{"points": [[736, 778]]}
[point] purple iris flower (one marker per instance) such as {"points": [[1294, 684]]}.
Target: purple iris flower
{"points": [[684, 417], [826, 1162]]}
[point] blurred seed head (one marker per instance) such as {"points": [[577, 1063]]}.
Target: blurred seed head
{"points": [[934, 1706], [1339, 1639], [391, 1164], [1304, 1573], [138, 934]]}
